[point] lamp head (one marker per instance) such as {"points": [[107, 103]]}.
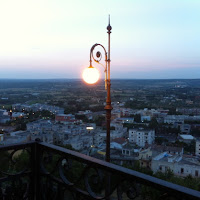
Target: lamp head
{"points": [[90, 75]]}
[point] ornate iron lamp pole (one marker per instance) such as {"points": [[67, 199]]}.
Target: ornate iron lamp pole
{"points": [[91, 75]]}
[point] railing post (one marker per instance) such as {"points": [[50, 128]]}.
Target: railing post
{"points": [[107, 186], [35, 166], [33, 173]]}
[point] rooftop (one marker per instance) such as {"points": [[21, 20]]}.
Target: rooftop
{"points": [[120, 140], [187, 137]]}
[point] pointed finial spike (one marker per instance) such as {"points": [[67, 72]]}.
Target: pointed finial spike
{"points": [[109, 28]]}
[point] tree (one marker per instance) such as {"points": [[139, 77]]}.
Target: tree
{"points": [[172, 111], [153, 123], [99, 120], [137, 118], [82, 117], [160, 140]]}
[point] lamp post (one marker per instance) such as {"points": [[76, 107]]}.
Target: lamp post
{"points": [[91, 76]]}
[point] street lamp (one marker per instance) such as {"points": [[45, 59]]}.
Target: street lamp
{"points": [[91, 75]]}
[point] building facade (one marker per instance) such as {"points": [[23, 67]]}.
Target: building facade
{"points": [[197, 149], [141, 136]]}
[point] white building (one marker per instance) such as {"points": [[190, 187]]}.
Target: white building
{"points": [[1, 137], [80, 142], [145, 118], [171, 119], [197, 150], [77, 145], [113, 134], [141, 136], [186, 138], [185, 128], [97, 139], [38, 107], [16, 137], [84, 112], [123, 120], [179, 165]]}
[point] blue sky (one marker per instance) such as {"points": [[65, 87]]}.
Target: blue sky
{"points": [[52, 38]]}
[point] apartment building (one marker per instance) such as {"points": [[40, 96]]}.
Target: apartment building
{"points": [[141, 136]]}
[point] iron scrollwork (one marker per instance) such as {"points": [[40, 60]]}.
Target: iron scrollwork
{"points": [[64, 174], [88, 180], [15, 173], [97, 58], [98, 53]]}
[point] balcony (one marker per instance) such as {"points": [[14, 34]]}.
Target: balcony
{"points": [[37, 170]]}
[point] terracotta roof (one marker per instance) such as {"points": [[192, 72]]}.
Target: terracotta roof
{"points": [[119, 140]]}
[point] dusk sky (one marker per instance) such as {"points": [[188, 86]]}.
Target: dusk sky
{"points": [[52, 38]]}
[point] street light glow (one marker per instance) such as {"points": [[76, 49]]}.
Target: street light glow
{"points": [[90, 75]]}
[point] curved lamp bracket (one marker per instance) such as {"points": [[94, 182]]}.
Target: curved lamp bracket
{"points": [[97, 58]]}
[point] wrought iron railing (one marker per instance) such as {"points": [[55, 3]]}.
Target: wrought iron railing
{"points": [[38, 170]]}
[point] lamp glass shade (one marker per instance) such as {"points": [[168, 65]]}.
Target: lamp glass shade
{"points": [[90, 75]]}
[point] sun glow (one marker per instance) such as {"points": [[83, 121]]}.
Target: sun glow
{"points": [[90, 75]]}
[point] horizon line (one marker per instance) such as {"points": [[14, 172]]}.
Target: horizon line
{"points": [[100, 79]]}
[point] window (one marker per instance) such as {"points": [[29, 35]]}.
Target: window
{"points": [[182, 170]]}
